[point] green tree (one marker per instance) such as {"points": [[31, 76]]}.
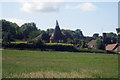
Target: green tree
{"points": [[27, 28], [34, 34], [118, 36], [50, 31], [95, 36], [112, 36], [99, 44], [67, 35], [8, 38], [10, 27], [69, 41], [38, 43], [78, 34], [83, 44]]}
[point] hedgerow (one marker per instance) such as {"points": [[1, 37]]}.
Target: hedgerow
{"points": [[34, 45], [52, 47], [60, 47], [20, 46], [19, 42]]}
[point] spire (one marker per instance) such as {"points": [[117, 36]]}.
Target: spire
{"points": [[57, 23]]}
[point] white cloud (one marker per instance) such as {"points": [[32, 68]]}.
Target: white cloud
{"points": [[52, 5], [84, 7], [17, 21], [41, 5]]}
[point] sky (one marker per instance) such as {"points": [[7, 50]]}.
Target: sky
{"points": [[90, 17]]}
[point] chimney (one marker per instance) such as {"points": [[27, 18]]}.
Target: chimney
{"points": [[104, 35], [104, 38]]}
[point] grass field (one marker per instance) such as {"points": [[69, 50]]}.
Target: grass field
{"points": [[0, 40], [45, 64]]}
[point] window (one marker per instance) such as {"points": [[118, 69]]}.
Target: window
{"points": [[60, 41]]}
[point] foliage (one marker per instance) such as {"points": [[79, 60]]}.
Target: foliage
{"points": [[60, 47], [18, 42], [38, 43], [118, 37], [118, 30], [95, 36], [34, 34], [88, 39], [29, 31], [112, 36], [59, 44], [99, 44], [50, 31], [0, 30], [0, 41], [83, 44], [20, 46], [9, 30], [8, 38], [50, 47], [27, 28], [67, 35], [70, 41]]}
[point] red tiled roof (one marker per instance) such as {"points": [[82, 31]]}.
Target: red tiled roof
{"points": [[92, 43], [117, 49], [111, 46]]}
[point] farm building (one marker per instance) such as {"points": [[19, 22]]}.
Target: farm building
{"points": [[57, 36]]}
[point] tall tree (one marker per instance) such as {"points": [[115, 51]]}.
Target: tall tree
{"points": [[112, 37], [99, 44], [118, 32], [78, 34], [95, 36], [67, 35], [27, 28], [9, 28]]}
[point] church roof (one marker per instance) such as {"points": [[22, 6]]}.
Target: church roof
{"points": [[57, 32]]}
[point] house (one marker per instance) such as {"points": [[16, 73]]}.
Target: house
{"points": [[92, 43], [57, 36], [117, 49], [111, 47]]}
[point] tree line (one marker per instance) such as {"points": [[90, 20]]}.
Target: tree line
{"points": [[28, 32]]}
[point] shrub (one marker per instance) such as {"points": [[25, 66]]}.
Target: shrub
{"points": [[18, 42], [111, 52], [91, 50], [60, 47], [38, 43], [20, 46]]}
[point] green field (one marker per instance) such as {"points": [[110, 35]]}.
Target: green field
{"points": [[0, 40], [48, 64]]}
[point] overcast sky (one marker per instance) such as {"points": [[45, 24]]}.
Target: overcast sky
{"points": [[92, 17]]}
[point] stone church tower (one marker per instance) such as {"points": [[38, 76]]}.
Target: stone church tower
{"points": [[57, 36]]}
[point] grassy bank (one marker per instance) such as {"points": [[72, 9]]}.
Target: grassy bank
{"points": [[49, 64]]}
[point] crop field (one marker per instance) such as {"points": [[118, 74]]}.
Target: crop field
{"points": [[52, 64]]}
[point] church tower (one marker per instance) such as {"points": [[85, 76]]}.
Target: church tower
{"points": [[57, 36]]}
